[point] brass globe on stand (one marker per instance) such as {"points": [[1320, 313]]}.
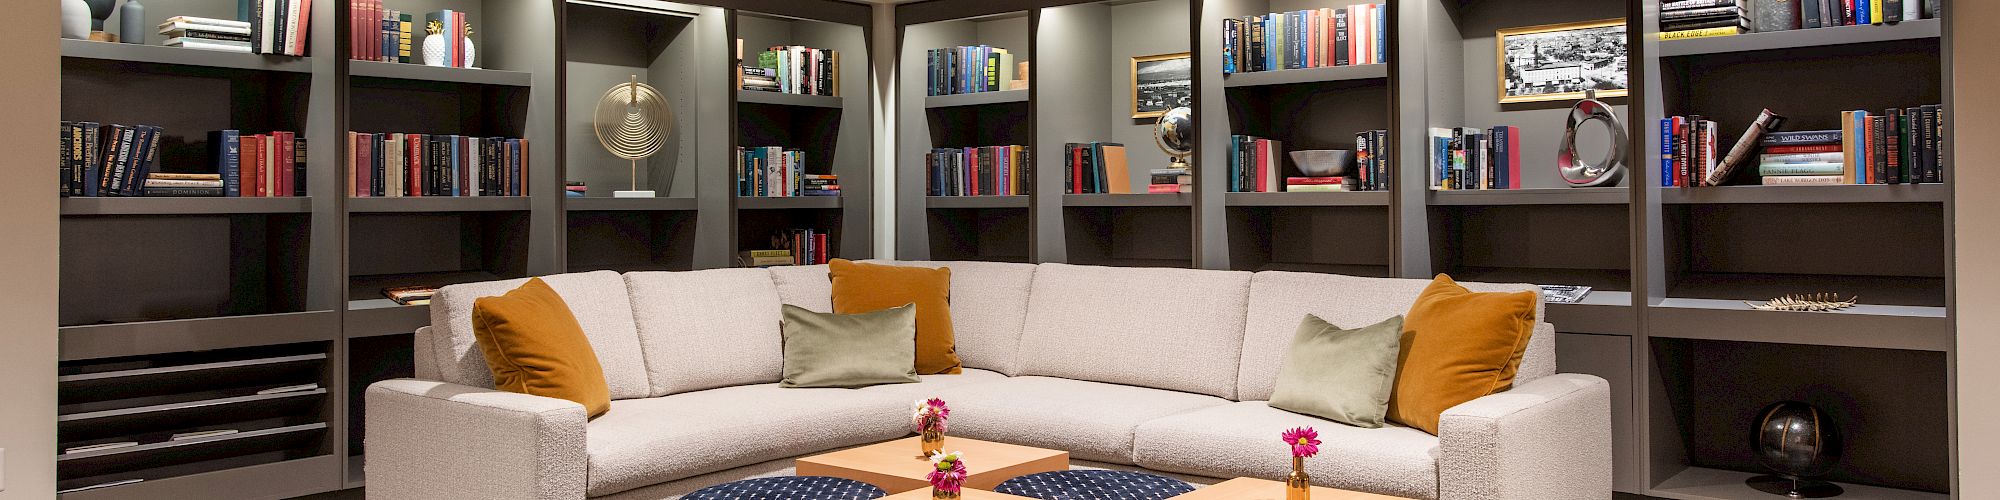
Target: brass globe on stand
{"points": [[633, 122]]}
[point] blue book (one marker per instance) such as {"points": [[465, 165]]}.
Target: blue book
{"points": [[1270, 41], [1862, 172], [1298, 39], [228, 154], [514, 151], [1381, 33], [450, 184], [1666, 152], [1861, 11]]}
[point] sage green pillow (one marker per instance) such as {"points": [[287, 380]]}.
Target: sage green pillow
{"points": [[850, 350], [1341, 375]]}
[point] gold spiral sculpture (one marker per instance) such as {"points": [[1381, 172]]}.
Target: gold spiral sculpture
{"points": [[633, 122]]}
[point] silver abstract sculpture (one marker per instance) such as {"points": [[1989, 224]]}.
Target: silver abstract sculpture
{"points": [[1606, 172]]}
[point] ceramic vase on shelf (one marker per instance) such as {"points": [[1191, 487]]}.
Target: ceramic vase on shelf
{"points": [[1298, 485], [75, 19], [100, 10], [132, 22], [438, 53], [932, 442]]}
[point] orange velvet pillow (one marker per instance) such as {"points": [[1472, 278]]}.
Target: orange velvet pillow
{"points": [[1458, 345], [860, 288], [534, 345]]}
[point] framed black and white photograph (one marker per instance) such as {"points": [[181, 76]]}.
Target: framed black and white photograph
{"points": [[1558, 62], [1161, 83]]}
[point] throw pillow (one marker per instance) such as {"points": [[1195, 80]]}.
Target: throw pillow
{"points": [[849, 350], [534, 345], [1458, 345], [1340, 375], [859, 288]]}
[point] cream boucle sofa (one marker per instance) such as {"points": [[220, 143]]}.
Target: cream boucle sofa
{"points": [[1158, 369]]}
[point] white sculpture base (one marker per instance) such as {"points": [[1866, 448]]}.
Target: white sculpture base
{"points": [[633, 194]]}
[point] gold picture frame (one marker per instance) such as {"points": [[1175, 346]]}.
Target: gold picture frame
{"points": [[1171, 82], [1552, 78]]}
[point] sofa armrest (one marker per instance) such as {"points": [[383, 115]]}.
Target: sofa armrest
{"points": [[1549, 439], [429, 439]]}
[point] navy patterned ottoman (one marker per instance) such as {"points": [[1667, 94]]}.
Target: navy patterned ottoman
{"points": [[789, 488], [1094, 485]]}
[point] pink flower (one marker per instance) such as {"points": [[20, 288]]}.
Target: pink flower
{"points": [[929, 415], [1303, 440], [949, 474]]}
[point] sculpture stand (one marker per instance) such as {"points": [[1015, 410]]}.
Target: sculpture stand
{"points": [[635, 192], [1794, 487]]}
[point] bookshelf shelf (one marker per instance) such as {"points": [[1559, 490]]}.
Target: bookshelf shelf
{"points": [[153, 447], [437, 204], [1602, 312], [1308, 75], [1919, 328], [1804, 38], [126, 375], [784, 99], [1128, 200], [628, 204], [177, 56], [284, 479], [1898, 193], [976, 98], [378, 317], [1302, 199], [215, 404], [1701, 483], [154, 337], [184, 206], [786, 202], [1533, 196], [420, 72], [936, 202], [1364, 270]]}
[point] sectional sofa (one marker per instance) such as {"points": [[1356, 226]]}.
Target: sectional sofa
{"points": [[1156, 369]]}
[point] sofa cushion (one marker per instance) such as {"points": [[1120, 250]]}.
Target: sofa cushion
{"points": [[1458, 345], [1278, 299], [597, 299], [866, 287], [805, 286], [850, 350], [1241, 439], [1092, 420], [707, 329], [1174, 329], [989, 304], [1341, 375], [647, 441], [534, 346], [936, 386]]}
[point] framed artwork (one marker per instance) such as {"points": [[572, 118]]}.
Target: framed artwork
{"points": [[1161, 83], [1559, 62]]}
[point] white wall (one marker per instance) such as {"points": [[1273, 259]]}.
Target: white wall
{"points": [[1975, 104], [28, 91]]}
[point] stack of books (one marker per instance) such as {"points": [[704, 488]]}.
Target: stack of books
{"points": [[575, 189], [1681, 19], [1170, 180], [1095, 168], [388, 35], [1698, 18], [1475, 158], [107, 160], [764, 258], [969, 69], [165, 184], [794, 69], [1803, 157], [398, 165], [259, 165], [207, 34], [1826, 13], [1894, 146], [1319, 184], [979, 171], [773, 171], [414, 295], [1352, 35], [1254, 165]]}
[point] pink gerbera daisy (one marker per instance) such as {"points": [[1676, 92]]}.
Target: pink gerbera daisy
{"points": [[949, 474], [1303, 440]]}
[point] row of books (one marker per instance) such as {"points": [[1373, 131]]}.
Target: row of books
{"points": [[1475, 158], [255, 165], [278, 27], [979, 171], [971, 69], [415, 165], [1095, 168], [1351, 35], [107, 160], [773, 171], [382, 34], [794, 69], [1896, 146], [1699, 18], [790, 247]]}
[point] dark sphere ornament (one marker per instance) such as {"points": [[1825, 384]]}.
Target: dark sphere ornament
{"points": [[1797, 441]]}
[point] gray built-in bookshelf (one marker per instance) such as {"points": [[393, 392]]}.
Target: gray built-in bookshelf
{"points": [[1689, 362], [177, 312]]}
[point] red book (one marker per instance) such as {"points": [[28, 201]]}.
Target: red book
{"points": [[457, 33], [1813, 148], [819, 247], [305, 18], [1163, 188], [1263, 161], [1294, 181], [414, 164], [367, 167], [1076, 170], [283, 181], [252, 150], [522, 166]]}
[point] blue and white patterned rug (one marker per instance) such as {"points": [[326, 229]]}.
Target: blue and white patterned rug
{"points": [[790, 488], [1094, 485]]}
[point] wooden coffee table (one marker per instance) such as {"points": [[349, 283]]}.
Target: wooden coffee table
{"points": [[895, 467], [1248, 488], [924, 493]]}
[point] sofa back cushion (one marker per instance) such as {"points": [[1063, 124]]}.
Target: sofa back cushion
{"points": [[989, 304], [809, 287], [597, 299], [1279, 299], [708, 329], [1174, 329]]}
